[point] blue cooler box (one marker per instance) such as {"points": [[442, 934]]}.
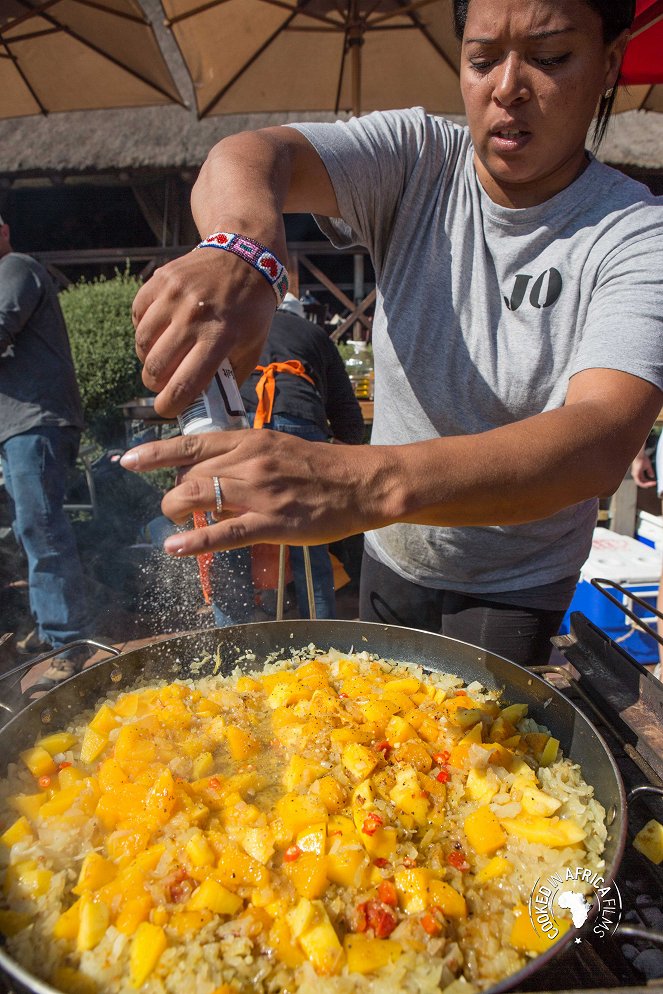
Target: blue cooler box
{"points": [[649, 530], [637, 567]]}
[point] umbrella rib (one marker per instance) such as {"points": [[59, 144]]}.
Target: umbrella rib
{"points": [[410, 8], [414, 17], [339, 87], [256, 55], [210, 4], [13, 58], [111, 58], [41, 10]]}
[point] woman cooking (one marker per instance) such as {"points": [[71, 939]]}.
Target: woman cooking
{"points": [[517, 334]]}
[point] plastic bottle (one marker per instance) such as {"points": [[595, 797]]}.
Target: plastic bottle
{"points": [[218, 408], [359, 368]]}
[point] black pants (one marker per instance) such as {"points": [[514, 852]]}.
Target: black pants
{"points": [[521, 634]]}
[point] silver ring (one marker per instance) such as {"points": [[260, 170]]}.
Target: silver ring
{"points": [[218, 497]]}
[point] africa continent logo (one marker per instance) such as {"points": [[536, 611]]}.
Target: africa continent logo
{"points": [[591, 897], [576, 904]]}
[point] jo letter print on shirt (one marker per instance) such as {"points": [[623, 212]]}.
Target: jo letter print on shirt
{"points": [[542, 293]]}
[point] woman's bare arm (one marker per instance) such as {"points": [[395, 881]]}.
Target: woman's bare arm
{"points": [[208, 305]]}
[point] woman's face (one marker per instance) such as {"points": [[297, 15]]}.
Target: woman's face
{"points": [[532, 72]]}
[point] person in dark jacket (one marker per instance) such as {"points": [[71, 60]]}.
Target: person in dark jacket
{"points": [[300, 386], [41, 419]]}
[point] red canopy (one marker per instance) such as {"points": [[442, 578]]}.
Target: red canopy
{"points": [[643, 62]]}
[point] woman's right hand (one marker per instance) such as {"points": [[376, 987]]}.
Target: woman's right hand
{"points": [[193, 313], [642, 470]]}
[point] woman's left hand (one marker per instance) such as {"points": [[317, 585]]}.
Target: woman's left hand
{"points": [[275, 488]]}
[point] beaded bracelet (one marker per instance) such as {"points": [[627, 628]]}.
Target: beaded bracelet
{"points": [[255, 254]]}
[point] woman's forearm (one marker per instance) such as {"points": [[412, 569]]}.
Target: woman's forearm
{"points": [[243, 186]]}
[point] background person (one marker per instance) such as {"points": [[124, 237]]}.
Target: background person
{"points": [[647, 474], [299, 387], [509, 263], [40, 427]]}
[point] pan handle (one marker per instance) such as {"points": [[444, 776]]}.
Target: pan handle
{"points": [[624, 931], [22, 668]]}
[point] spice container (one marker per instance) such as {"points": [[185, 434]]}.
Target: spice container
{"points": [[218, 408]]}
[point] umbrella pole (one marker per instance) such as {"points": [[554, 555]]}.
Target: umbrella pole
{"points": [[355, 35]]}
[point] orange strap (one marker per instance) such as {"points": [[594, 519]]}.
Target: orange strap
{"points": [[266, 386], [205, 559]]}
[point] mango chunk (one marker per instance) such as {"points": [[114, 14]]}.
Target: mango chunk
{"points": [[309, 875], [15, 833], [447, 898], [241, 743], [213, 896], [148, 944], [281, 941], [39, 762], [526, 938], [105, 720], [67, 925], [549, 754], [321, 944], [366, 955], [95, 872], [554, 832], [94, 920], [200, 851], [348, 867], [58, 742], [359, 760], [498, 866], [66, 978], [484, 832], [408, 796], [93, 745], [515, 713], [297, 812], [649, 841], [28, 804], [301, 772], [537, 802]]}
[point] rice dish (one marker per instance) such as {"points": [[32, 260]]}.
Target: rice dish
{"points": [[333, 824]]}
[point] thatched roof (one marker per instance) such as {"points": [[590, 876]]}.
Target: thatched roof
{"points": [[111, 141], [171, 138]]}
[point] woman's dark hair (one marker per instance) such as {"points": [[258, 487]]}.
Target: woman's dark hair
{"points": [[616, 15]]}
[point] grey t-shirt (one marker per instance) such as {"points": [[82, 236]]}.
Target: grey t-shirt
{"points": [[38, 382], [483, 314]]}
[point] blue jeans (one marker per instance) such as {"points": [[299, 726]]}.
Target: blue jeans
{"points": [[232, 605], [35, 466]]}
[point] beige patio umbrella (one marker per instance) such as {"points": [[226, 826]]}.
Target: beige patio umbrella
{"points": [[58, 55], [317, 55]]}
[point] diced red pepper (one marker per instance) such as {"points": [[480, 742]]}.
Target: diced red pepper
{"points": [[409, 862], [380, 919], [383, 747], [388, 894], [44, 782], [63, 766], [360, 922], [441, 757], [430, 922], [343, 694], [443, 776], [460, 693], [371, 824], [458, 860], [291, 854], [380, 862], [214, 783]]}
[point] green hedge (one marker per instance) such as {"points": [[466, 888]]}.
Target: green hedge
{"points": [[98, 318]]}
